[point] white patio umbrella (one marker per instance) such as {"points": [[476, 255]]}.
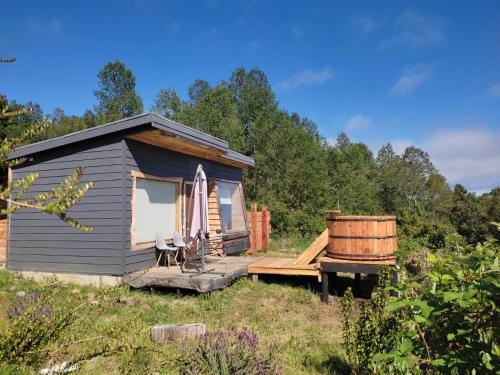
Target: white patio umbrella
{"points": [[200, 227]]}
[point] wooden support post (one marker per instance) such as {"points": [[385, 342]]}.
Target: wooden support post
{"points": [[395, 280], [253, 218], [357, 282], [325, 287], [264, 229], [255, 277]]}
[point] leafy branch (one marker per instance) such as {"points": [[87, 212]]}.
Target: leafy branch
{"points": [[58, 200]]}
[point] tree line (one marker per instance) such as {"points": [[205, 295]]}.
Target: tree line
{"points": [[297, 174]]}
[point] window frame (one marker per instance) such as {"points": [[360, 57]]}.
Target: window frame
{"points": [[178, 206], [184, 203], [232, 232]]}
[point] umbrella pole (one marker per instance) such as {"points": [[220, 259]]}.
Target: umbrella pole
{"points": [[202, 240]]}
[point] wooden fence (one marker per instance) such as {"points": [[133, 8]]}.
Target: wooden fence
{"points": [[259, 223]]}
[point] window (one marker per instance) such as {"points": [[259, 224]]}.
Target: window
{"points": [[231, 206], [155, 209]]}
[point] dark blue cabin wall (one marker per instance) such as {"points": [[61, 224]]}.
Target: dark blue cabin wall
{"points": [[41, 242], [160, 162]]}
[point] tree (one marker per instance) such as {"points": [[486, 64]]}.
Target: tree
{"points": [[468, 216], [198, 90], [167, 103], [19, 118], [116, 95], [351, 170]]}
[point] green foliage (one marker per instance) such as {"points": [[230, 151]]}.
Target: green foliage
{"points": [[230, 352], [297, 174], [469, 216], [116, 95], [16, 118], [374, 331], [56, 202], [33, 326], [446, 319], [351, 170]]}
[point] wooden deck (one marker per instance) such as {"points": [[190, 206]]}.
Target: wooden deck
{"points": [[225, 271], [282, 266]]}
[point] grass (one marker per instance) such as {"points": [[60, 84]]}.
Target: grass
{"points": [[117, 322], [288, 247]]}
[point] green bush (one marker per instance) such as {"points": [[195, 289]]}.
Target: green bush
{"points": [[35, 321], [230, 353], [445, 321]]}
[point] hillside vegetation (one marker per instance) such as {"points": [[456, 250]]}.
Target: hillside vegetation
{"points": [[297, 173], [444, 320]]}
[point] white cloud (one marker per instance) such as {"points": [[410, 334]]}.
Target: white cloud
{"points": [[212, 38], [494, 90], [399, 145], [364, 25], [52, 27], [173, 27], [468, 156], [411, 78], [209, 33], [414, 29], [307, 77], [255, 45], [297, 32], [358, 122]]}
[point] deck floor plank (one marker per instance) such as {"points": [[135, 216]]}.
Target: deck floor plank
{"points": [[225, 271]]}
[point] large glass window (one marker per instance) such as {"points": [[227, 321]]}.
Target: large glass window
{"points": [[156, 209], [231, 206]]}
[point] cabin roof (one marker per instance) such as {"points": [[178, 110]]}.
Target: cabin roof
{"points": [[149, 128]]}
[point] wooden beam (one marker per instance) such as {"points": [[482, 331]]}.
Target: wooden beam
{"points": [[183, 146], [314, 250]]}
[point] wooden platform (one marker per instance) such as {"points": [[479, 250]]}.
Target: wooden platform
{"points": [[225, 271], [282, 266], [330, 266], [353, 266]]}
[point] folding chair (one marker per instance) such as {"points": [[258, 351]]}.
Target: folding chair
{"points": [[165, 249]]}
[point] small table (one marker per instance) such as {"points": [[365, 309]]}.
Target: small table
{"points": [[331, 266]]}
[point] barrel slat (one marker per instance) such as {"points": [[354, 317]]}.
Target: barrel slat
{"points": [[361, 237]]}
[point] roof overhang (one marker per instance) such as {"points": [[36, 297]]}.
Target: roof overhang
{"points": [[152, 129]]}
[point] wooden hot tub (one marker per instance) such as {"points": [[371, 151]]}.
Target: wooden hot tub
{"points": [[361, 237]]}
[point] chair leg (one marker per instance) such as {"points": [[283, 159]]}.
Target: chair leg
{"points": [[158, 261], [175, 258], [168, 259]]}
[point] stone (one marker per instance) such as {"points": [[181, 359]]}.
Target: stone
{"points": [[94, 302], [171, 332], [129, 301], [21, 293], [90, 296], [12, 288]]}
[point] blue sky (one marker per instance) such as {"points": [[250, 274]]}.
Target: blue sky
{"points": [[424, 73]]}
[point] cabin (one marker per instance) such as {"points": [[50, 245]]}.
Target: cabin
{"points": [[142, 169]]}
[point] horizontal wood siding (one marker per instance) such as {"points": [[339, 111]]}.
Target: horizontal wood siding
{"points": [[41, 242], [236, 246], [160, 162]]}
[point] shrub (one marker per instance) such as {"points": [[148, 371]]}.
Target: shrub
{"points": [[230, 352], [446, 320], [36, 320], [374, 330]]}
